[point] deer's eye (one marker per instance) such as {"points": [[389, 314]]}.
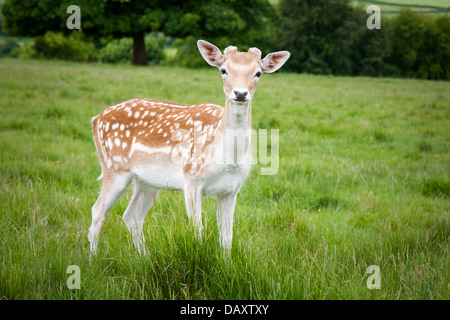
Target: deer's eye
{"points": [[258, 74], [223, 71]]}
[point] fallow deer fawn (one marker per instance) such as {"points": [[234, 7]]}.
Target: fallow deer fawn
{"points": [[165, 145]]}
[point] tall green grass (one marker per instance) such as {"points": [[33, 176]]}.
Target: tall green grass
{"points": [[363, 180]]}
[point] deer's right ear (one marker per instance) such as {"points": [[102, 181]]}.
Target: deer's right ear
{"points": [[210, 53]]}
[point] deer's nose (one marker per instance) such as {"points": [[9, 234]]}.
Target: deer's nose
{"points": [[240, 95]]}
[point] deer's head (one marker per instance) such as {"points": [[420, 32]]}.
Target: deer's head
{"points": [[241, 70]]}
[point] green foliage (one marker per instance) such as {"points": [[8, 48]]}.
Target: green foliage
{"points": [[9, 46], [55, 45], [216, 19], [117, 51], [132, 18], [1, 18], [154, 47], [121, 50], [422, 45], [361, 51], [308, 29], [245, 24], [331, 37], [324, 36], [33, 18], [187, 53]]}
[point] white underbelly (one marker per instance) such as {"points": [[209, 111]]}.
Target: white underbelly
{"points": [[167, 176], [221, 180]]}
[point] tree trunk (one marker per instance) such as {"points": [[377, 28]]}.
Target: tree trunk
{"points": [[139, 56]]}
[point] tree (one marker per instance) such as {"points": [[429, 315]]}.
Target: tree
{"points": [[309, 28], [242, 23], [133, 18], [331, 37], [98, 19], [422, 45]]}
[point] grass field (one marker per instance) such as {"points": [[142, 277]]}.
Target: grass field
{"points": [[363, 180]]}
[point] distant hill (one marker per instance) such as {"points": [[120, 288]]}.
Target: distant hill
{"points": [[392, 7]]}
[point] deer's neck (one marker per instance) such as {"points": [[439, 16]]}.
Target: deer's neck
{"points": [[237, 116], [234, 144]]}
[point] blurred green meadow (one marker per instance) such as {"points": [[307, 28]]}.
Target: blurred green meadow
{"points": [[390, 8], [363, 179]]}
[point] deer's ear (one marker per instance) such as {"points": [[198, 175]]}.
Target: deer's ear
{"points": [[274, 61], [210, 53]]}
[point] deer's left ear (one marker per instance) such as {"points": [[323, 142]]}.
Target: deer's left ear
{"points": [[274, 61], [210, 53]]}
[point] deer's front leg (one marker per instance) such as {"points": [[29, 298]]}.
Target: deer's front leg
{"points": [[193, 199], [225, 214]]}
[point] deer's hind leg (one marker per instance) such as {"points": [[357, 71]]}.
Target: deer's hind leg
{"points": [[112, 189], [143, 199]]}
